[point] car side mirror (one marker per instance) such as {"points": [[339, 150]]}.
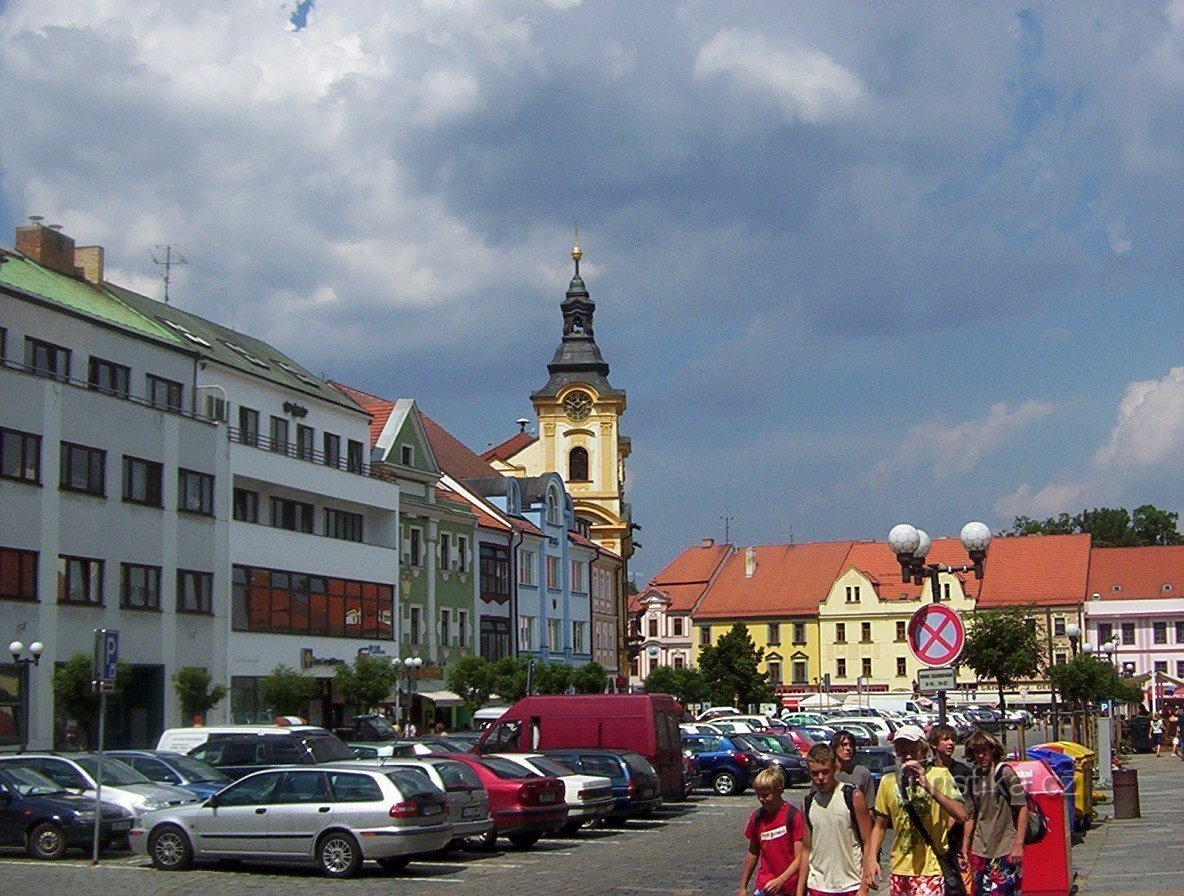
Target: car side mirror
{"points": [[5, 794], [213, 802]]}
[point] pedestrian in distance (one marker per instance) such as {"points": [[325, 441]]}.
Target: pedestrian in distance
{"points": [[410, 730], [997, 807], [850, 772], [774, 835], [919, 800], [1157, 733], [1173, 731], [837, 823]]}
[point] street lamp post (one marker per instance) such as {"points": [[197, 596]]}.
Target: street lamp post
{"points": [[1073, 633], [25, 658], [1105, 733], [411, 665], [911, 546]]}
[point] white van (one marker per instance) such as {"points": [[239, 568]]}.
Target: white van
{"points": [[182, 740], [902, 702], [487, 715]]}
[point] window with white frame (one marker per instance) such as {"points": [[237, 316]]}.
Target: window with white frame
{"points": [[445, 551], [462, 553], [1058, 626], [415, 546], [445, 628], [579, 637], [416, 625], [462, 628], [774, 672], [526, 566], [676, 623], [799, 671], [526, 633], [680, 661], [577, 575], [554, 635], [1128, 633], [1159, 632], [554, 573]]}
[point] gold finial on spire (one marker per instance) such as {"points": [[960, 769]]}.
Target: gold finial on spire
{"points": [[576, 254]]}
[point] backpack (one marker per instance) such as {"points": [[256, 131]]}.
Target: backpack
{"points": [[848, 791], [1037, 822]]}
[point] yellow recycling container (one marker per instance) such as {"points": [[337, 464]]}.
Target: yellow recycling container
{"points": [[1085, 760]]}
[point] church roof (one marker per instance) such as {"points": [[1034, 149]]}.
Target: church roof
{"points": [[509, 447]]}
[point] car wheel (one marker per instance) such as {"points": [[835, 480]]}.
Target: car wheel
{"points": [[169, 848], [46, 841], [338, 855], [524, 840], [571, 827], [724, 784], [482, 841], [395, 863]]}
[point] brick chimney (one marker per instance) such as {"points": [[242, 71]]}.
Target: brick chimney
{"points": [[707, 543], [47, 246], [749, 562], [89, 261]]}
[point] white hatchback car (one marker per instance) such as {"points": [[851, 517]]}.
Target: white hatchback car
{"points": [[588, 797], [333, 816]]}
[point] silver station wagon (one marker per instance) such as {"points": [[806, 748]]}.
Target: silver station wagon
{"points": [[334, 817], [468, 800]]}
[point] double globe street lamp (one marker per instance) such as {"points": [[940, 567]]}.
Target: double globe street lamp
{"points": [[411, 665], [24, 659], [911, 546]]}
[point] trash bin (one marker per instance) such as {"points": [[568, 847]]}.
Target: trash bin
{"points": [[1085, 761], [1126, 793], [1048, 864]]}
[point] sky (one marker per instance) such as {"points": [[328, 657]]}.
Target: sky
{"points": [[855, 263]]}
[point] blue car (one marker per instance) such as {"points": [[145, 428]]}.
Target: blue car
{"points": [[183, 771], [726, 765], [636, 789], [38, 814]]}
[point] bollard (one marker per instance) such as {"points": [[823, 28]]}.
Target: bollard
{"points": [[1126, 793]]}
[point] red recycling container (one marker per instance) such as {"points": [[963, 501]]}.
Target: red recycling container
{"points": [[1048, 865]]}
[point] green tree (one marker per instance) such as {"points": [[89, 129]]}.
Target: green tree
{"points": [[552, 678], [472, 678], [509, 678], [1156, 527], [1002, 645], [685, 685], [731, 669], [1109, 527], [196, 692], [74, 695], [286, 691], [368, 681], [1088, 679], [590, 679]]}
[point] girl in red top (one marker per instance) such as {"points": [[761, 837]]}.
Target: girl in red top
{"points": [[774, 833]]}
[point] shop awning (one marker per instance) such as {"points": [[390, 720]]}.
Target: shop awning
{"points": [[442, 697]]}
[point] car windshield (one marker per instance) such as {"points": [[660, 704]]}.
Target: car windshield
{"points": [[504, 768], [767, 743], [549, 766], [328, 748], [639, 763], [31, 783], [383, 727], [875, 762], [115, 773], [196, 771]]}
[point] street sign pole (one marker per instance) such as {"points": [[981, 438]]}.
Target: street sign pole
{"points": [[936, 635], [105, 669]]}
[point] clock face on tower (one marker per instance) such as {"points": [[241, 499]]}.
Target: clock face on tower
{"points": [[578, 406]]}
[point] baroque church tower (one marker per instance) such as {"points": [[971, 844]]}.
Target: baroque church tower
{"points": [[579, 438]]}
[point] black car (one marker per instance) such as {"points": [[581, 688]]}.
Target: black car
{"points": [[636, 789], [37, 814], [769, 750], [240, 753]]}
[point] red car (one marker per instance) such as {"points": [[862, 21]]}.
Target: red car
{"points": [[524, 805]]}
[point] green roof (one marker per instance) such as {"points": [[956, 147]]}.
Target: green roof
{"points": [[26, 276]]}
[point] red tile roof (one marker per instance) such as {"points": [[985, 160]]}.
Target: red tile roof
{"points": [[509, 447], [789, 580], [697, 564], [379, 409], [1139, 573], [1045, 570], [452, 456], [876, 561]]}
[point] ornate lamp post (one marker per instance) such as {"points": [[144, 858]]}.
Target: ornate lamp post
{"points": [[24, 659], [911, 546], [411, 666]]}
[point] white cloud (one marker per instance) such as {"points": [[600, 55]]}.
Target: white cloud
{"points": [[1048, 501], [807, 84], [1149, 431]]}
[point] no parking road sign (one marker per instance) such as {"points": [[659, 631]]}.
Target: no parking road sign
{"points": [[936, 635]]}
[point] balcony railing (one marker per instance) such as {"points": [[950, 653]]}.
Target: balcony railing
{"points": [[289, 448]]}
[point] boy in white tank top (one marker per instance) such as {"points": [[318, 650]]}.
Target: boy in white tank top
{"points": [[838, 823]]}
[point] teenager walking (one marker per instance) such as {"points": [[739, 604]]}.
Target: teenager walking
{"points": [[838, 823], [942, 740], [851, 772], [997, 806], [918, 802], [774, 835]]}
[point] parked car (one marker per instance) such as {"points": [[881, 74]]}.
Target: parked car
{"points": [[878, 760], [524, 805], [438, 743], [588, 797], [122, 784], [698, 728], [715, 711], [865, 736], [332, 816], [183, 771], [801, 742], [635, 784], [987, 719], [465, 739], [756, 722], [468, 800], [884, 727], [1138, 730], [730, 726], [819, 734], [726, 765], [39, 815], [384, 750], [238, 752], [367, 727], [771, 750]]}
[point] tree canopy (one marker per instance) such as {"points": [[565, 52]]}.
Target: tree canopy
{"points": [[368, 681], [476, 679], [1109, 527], [1088, 679], [74, 695], [731, 669], [686, 685], [196, 691], [287, 692], [1002, 645]]}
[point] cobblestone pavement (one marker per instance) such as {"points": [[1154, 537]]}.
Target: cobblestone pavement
{"points": [[685, 850]]}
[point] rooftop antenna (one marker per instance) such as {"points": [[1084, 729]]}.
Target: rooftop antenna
{"points": [[791, 534], [727, 528], [167, 264], [522, 424]]}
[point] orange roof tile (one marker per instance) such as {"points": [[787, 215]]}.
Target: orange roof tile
{"points": [[876, 561], [453, 457], [1138, 573], [379, 409], [697, 564], [509, 447], [683, 597], [789, 580], [1036, 569]]}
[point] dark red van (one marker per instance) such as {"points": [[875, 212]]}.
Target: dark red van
{"points": [[644, 723]]}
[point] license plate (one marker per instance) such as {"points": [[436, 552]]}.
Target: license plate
{"points": [[547, 797], [471, 812], [121, 825]]}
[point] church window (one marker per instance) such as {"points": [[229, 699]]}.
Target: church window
{"points": [[577, 465]]}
